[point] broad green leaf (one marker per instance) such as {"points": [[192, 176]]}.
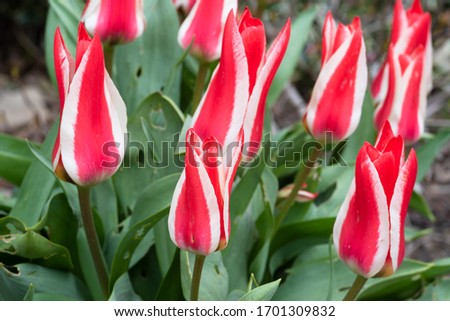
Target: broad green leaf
{"points": [[65, 15], [148, 159], [36, 186], [55, 283], [147, 64], [299, 36], [15, 158], [437, 291], [104, 200], [123, 290], [264, 292], [170, 288], [16, 239], [427, 152], [130, 242], [214, 280]]}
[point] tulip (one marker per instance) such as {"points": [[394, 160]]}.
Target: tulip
{"points": [[114, 21], [400, 88], [202, 29], [336, 101], [369, 229], [185, 5], [199, 213], [90, 142]]}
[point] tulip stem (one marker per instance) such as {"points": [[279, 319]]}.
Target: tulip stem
{"points": [[196, 276], [199, 85], [92, 238], [299, 181], [355, 289]]}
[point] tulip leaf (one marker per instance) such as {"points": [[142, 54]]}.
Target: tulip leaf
{"points": [[65, 15], [16, 239], [437, 292], [428, 151], [419, 204], [214, 280], [47, 283], [130, 242], [300, 30], [37, 186], [15, 159], [151, 153], [123, 290], [170, 288], [149, 63], [264, 292]]}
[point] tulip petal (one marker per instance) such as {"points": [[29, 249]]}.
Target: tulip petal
{"points": [[361, 232], [194, 218], [337, 97], [254, 118], [328, 35], [398, 208], [88, 139], [227, 92], [203, 27]]}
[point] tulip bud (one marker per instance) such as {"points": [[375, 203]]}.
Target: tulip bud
{"points": [[202, 29], [199, 213], [369, 229], [90, 144], [400, 88], [336, 101], [114, 21]]}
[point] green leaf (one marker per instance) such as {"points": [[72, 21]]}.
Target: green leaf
{"points": [[148, 159], [58, 284], [427, 152], [15, 158], [147, 64], [104, 200], [123, 290], [437, 292], [419, 204], [299, 36], [264, 292], [214, 280], [17, 240], [129, 243], [170, 288], [65, 15], [36, 186]]}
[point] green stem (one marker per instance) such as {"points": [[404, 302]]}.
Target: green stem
{"points": [[92, 238], [300, 179], [109, 53], [199, 84], [197, 275], [355, 289]]}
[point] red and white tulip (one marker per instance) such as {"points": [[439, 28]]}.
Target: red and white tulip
{"points": [[199, 213], [336, 101], [202, 29], [369, 229], [90, 144], [400, 88], [114, 21]]}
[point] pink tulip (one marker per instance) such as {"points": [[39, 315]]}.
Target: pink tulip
{"points": [[336, 101], [369, 229], [90, 144], [400, 89], [199, 214], [114, 21], [203, 28]]}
